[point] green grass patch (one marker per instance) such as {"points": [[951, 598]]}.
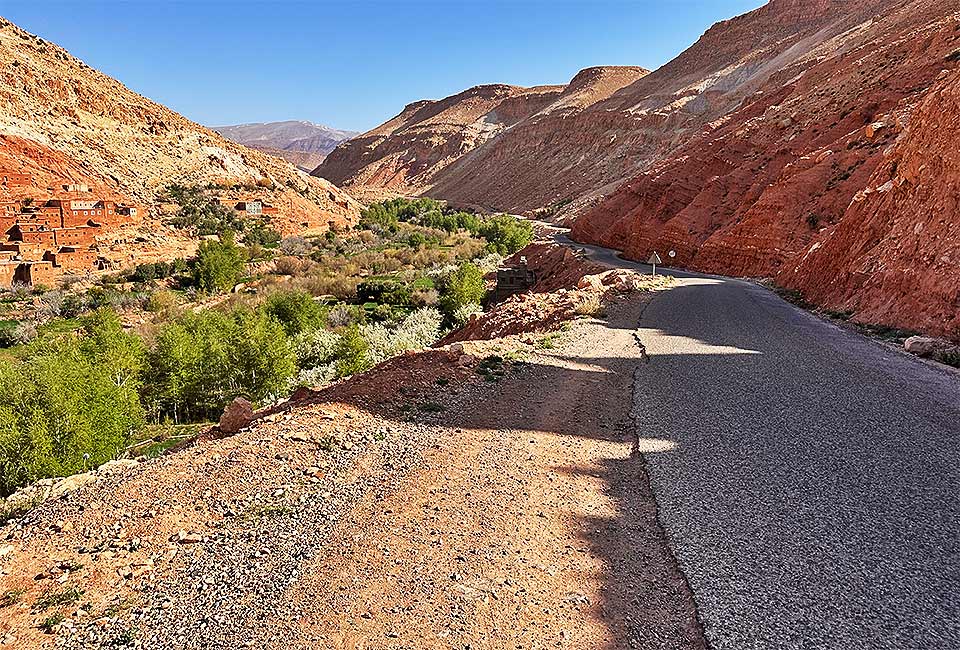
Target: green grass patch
{"points": [[549, 342], [425, 282], [50, 623], [10, 597], [153, 440], [54, 598]]}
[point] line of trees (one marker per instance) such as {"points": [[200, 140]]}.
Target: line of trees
{"points": [[504, 234], [72, 400]]}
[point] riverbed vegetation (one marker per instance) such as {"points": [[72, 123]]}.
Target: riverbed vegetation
{"points": [[86, 369]]}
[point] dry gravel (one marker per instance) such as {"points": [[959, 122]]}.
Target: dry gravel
{"points": [[394, 511]]}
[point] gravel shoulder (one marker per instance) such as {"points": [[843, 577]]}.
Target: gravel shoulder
{"points": [[529, 523], [417, 506]]}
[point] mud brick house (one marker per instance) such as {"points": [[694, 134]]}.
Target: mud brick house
{"points": [[40, 241], [514, 279], [15, 179], [255, 207]]}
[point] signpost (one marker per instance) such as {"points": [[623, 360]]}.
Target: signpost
{"points": [[654, 260]]}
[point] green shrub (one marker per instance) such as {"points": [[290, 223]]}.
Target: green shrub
{"points": [[461, 287], [261, 234], [200, 362], [295, 310], [207, 215], [418, 330], [505, 234], [71, 404], [384, 291], [219, 264], [8, 333], [352, 352], [316, 348]]}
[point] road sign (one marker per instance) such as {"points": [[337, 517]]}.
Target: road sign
{"points": [[654, 260]]}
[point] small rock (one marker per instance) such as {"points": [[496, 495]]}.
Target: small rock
{"points": [[922, 346], [237, 415]]}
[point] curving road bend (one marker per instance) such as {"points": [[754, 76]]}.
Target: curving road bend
{"points": [[810, 490]]}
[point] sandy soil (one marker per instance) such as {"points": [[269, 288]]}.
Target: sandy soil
{"points": [[530, 524], [432, 503]]}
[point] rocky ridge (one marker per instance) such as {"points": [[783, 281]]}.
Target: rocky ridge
{"points": [[605, 125], [406, 152], [828, 179], [301, 143], [79, 119]]}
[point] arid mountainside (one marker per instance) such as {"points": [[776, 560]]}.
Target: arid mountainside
{"points": [[71, 115], [837, 177], [302, 143], [407, 152], [607, 124], [764, 149]]}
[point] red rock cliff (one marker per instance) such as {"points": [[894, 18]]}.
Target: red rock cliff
{"points": [[786, 186]]}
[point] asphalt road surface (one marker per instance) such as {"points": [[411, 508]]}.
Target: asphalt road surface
{"points": [[807, 478]]}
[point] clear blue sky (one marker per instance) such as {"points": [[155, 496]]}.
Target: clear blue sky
{"points": [[353, 64]]}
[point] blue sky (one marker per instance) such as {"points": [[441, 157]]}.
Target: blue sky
{"points": [[353, 65]]}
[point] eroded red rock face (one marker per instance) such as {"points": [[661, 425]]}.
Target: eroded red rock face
{"points": [[576, 143], [894, 256], [806, 182]]}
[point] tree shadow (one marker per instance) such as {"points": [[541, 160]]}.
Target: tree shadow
{"points": [[751, 415]]}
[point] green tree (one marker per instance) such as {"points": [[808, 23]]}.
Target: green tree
{"points": [[219, 264], [261, 357], [505, 234], [352, 352], [461, 287], [297, 311], [200, 362], [71, 403]]}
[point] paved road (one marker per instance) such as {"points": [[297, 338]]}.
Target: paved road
{"points": [[811, 483]]}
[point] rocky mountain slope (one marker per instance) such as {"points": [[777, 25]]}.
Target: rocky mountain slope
{"points": [[773, 135], [302, 143], [56, 106], [409, 150], [604, 126], [834, 177]]}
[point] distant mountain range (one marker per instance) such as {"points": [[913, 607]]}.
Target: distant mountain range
{"points": [[303, 143]]}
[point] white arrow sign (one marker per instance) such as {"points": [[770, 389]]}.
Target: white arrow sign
{"points": [[654, 260]]}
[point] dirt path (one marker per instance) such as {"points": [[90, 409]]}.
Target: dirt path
{"points": [[528, 525], [415, 506]]}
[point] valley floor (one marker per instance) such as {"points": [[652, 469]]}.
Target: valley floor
{"points": [[508, 513], [704, 466]]}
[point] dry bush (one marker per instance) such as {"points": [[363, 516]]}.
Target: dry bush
{"points": [[296, 246], [425, 297], [163, 302], [342, 286], [288, 265], [589, 304], [468, 249]]}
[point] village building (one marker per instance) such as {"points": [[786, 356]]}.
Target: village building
{"points": [[514, 279], [40, 241], [255, 207], [15, 179]]}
